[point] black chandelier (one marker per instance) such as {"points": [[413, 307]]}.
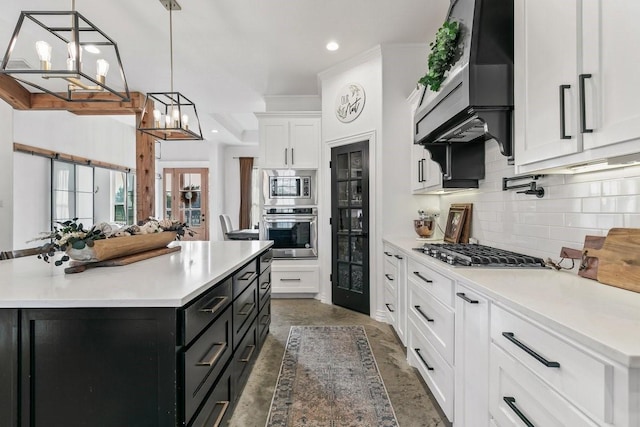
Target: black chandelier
{"points": [[63, 54], [170, 116]]}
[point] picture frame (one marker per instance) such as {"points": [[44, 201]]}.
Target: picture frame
{"points": [[455, 224], [466, 229]]}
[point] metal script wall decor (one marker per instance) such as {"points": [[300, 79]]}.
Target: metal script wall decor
{"points": [[350, 102]]}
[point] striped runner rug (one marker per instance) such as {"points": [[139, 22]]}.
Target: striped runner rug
{"points": [[329, 378]]}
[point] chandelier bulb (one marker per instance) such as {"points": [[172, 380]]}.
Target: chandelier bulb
{"points": [[73, 50], [156, 118], [185, 121], [167, 121], [103, 68], [175, 115], [44, 53]]}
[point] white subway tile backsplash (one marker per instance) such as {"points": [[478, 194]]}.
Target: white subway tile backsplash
{"points": [[632, 220]]}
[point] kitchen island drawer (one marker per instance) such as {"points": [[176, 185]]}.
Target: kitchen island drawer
{"points": [[516, 395], [217, 409], [264, 320], [204, 361], [437, 284], [245, 309], [266, 259], [264, 286], [243, 359], [244, 277], [585, 380], [205, 309]]}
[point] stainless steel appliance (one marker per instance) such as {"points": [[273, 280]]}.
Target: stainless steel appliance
{"points": [[469, 255], [294, 231], [289, 187]]}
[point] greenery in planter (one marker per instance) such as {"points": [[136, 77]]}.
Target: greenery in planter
{"points": [[444, 50]]}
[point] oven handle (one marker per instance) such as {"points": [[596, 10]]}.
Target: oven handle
{"points": [[290, 218]]}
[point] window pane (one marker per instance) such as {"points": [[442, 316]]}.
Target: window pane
{"points": [[64, 177], [64, 205], [84, 206], [84, 175]]}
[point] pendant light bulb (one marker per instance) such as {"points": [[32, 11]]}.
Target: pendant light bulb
{"points": [[72, 50], [103, 68], [156, 117], [185, 121], [175, 115], [167, 121], [44, 53]]}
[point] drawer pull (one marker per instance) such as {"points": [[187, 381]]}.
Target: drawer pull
{"points": [[249, 349], [398, 256], [389, 308], [224, 406], [217, 303], [214, 354], [247, 308], [417, 273], [388, 276], [511, 401], [429, 368], [295, 279], [247, 276], [264, 286], [388, 253], [419, 310], [466, 298], [264, 320], [545, 362]]}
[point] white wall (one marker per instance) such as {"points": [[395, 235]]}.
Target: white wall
{"points": [[573, 206], [6, 176]]}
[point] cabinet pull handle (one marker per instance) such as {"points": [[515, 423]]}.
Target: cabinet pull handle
{"points": [[510, 336], [264, 320], [264, 286], [388, 276], [247, 276], [583, 106], [422, 313], [417, 273], [251, 348], [466, 298], [223, 410], [213, 355], [247, 308], [563, 124], [420, 170], [417, 350], [295, 279], [398, 256], [217, 303], [388, 253], [292, 161], [286, 157], [389, 308], [511, 401]]}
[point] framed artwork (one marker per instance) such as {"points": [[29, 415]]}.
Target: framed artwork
{"points": [[455, 224], [466, 228]]}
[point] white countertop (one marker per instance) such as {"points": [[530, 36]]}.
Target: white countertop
{"points": [[169, 280], [601, 317]]}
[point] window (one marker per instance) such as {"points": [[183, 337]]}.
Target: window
{"points": [[123, 197], [72, 192]]}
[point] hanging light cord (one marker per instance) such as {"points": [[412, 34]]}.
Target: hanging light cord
{"points": [[171, 40]]}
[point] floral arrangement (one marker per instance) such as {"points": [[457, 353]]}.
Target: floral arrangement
{"points": [[444, 52], [71, 234]]}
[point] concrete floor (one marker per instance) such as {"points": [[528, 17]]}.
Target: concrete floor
{"points": [[413, 404]]}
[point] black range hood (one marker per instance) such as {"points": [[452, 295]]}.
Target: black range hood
{"points": [[475, 103]]}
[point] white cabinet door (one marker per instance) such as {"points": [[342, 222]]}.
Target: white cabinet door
{"points": [[546, 74], [304, 143], [471, 358], [610, 30], [274, 143], [426, 175]]}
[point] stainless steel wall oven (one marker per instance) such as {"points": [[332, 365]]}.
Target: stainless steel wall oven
{"points": [[294, 231], [289, 187]]}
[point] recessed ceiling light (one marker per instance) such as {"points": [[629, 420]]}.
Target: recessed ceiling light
{"points": [[91, 49], [332, 46], [214, 131]]}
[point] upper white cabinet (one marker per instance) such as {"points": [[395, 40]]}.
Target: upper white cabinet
{"points": [[290, 140], [425, 173], [576, 91]]}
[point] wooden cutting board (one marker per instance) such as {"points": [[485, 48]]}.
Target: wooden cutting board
{"points": [[77, 267], [619, 259], [588, 264]]}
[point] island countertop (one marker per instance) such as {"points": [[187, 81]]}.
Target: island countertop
{"points": [[170, 280]]}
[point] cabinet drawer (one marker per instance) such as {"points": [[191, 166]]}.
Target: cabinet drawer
{"points": [[243, 359], [391, 255], [266, 259], [264, 286], [436, 283], [218, 404], [434, 319], [390, 304], [264, 320], [243, 278], [515, 394], [432, 367], [295, 279], [390, 275], [583, 379], [204, 361], [245, 309], [205, 309]]}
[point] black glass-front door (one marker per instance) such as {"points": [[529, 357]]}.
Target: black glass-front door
{"points": [[350, 226]]}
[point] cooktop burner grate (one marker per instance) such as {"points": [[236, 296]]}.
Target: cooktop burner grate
{"points": [[479, 256]]}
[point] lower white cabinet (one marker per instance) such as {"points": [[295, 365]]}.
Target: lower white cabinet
{"points": [[471, 357], [395, 285], [295, 277]]}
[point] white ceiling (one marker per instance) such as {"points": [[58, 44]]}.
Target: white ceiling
{"points": [[230, 54]]}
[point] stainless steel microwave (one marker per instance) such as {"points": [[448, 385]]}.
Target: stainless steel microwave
{"points": [[289, 187]]}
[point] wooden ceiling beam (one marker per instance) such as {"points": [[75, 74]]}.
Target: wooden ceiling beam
{"points": [[14, 94]]}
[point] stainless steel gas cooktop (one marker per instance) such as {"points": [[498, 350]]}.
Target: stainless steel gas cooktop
{"points": [[479, 256]]}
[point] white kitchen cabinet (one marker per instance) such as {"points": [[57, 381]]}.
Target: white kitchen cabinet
{"points": [[295, 277], [289, 140], [471, 357], [426, 175], [395, 279], [576, 100]]}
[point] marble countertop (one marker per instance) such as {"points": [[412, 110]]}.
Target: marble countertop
{"points": [[170, 280], [603, 318]]}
